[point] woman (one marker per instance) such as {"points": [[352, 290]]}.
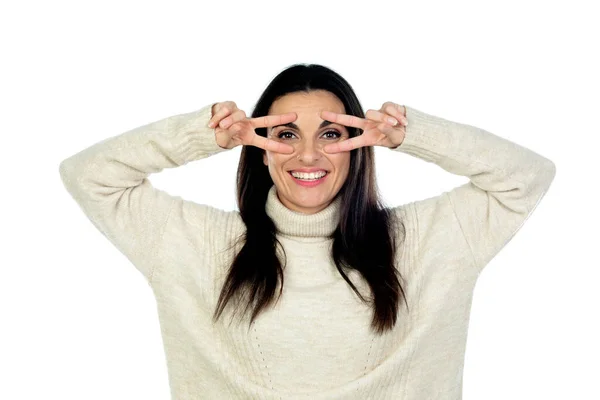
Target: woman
{"points": [[342, 298]]}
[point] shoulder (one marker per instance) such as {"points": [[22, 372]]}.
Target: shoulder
{"points": [[213, 226], [434, 234]]}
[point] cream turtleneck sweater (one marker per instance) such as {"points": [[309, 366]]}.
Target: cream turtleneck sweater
{"points": [[316, 342]]}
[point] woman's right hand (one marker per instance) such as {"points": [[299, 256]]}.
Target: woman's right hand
{"points": [[233, 128]]}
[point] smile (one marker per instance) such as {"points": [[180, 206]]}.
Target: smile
{"points": [[309, 182]]}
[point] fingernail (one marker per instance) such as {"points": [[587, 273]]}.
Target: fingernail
{"points": [[210, 124], [392, 121]]}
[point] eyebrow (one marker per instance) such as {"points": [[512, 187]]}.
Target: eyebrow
{"points": [[294, 126]]}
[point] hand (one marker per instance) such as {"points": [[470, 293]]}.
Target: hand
{"points": [[234, 128], [377, 131]]}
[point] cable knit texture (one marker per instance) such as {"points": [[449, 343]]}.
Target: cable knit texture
{"points": [[316, 342]]}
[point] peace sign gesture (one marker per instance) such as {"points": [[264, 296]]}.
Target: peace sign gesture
{"points": [[233, 128], [378, 130]]}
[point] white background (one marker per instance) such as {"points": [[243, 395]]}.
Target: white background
{"points": [[78, 320]]}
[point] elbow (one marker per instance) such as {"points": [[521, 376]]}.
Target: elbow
{"points": [[68, 174], [549, 171], [543, 178], [64, 170]]}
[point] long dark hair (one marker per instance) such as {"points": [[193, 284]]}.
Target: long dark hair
{"points": [[364, 239]]}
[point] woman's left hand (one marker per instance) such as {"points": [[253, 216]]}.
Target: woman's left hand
{"points": [[377, 130]]}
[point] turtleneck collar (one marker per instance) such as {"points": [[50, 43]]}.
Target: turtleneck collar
{"points": [[292, 223]]}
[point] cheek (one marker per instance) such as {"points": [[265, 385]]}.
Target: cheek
{"points": [[272, 161], [344, 164]]}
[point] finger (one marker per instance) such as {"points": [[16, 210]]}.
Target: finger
{"points": [[239, 115], [347, 145], [397, 111], [386, 129], [382, 117], [344, 119], [271, 145], [272, 120], [223, 112]]}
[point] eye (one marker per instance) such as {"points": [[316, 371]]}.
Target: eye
{"points": [[283, 133], [337, 134]]}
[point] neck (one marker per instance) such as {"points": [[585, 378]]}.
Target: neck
{"points": [[321, 223]]}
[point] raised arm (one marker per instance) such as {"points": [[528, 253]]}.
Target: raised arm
{"points": [[109, 180], [506, 183]]}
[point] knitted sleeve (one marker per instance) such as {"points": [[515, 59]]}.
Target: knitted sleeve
{"points": [[109, 180], [506, 183]]}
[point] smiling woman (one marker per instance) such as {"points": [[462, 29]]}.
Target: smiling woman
{"points": [[346, 193], [349, 299]]}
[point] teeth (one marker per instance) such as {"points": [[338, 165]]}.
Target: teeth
{"points": [[311, 176]]}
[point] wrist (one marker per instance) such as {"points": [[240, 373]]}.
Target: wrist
{"points": [[397, 140]]}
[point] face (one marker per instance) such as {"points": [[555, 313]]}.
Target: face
{"points": [[308, 137]]}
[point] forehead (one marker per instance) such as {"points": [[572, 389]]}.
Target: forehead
{"points": [[307, 103]]}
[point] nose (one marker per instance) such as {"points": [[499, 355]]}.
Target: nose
{"points": [[309, 150]]}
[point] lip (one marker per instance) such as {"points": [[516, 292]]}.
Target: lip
{"points": [[309, 183], [308, 170]]}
